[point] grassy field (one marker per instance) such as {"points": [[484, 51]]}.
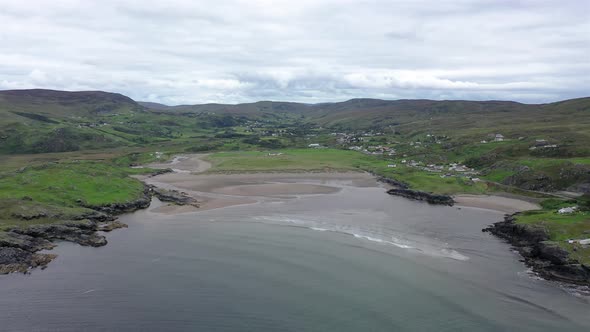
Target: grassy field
{"points": [[52, 192], [289, 160], [561, 228], [314, 160], [65, 183]]}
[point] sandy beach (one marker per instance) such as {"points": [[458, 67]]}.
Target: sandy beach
{"points": [[217, 190], [497, 203]]}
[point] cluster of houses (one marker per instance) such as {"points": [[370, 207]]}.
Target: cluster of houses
{"points": [[355, 138], [452, 170], [92, 125], [378, 150]]}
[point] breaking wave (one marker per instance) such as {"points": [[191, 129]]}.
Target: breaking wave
{"points": [[323, 226]]}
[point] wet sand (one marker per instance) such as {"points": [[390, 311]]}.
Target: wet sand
{"points": [[496, 203], [221, 190], [217, 190]]}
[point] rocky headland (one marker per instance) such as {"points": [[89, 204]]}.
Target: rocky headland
{"points": [[544, 256], [19, 246]]}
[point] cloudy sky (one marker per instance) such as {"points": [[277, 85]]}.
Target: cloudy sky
{"points": [[231, 51]]}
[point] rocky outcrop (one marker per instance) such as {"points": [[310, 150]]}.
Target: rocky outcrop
{"points": [[19, 246], [18, 252], [393, 182], [422, 196], [107, 227], [83, 233], [545, 257], [19, 260], [173, 196]]}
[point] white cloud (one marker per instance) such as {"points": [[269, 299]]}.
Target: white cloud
{"points": [[184, 51]]}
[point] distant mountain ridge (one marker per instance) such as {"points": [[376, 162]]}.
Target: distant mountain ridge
{"points": [[61, 104], [365, 112]]}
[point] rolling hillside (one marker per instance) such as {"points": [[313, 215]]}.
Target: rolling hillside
{"points": [[545, 147]]}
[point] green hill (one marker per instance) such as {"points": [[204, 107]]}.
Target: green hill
{"points": [[545, 146]]}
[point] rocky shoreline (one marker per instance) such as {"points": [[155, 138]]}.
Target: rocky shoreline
{"points": [[422, 196], [545, 257], [19, 247]]}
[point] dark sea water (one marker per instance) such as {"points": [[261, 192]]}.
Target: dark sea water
{"points": [[358, 260]]}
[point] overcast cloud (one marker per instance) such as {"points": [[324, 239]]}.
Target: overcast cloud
{"points": [[231, 51]]}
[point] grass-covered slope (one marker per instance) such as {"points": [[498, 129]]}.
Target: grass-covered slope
{"points": [[36, 121], [56, 192]]}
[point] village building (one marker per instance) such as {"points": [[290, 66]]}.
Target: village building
{"points": [[567, 210]]}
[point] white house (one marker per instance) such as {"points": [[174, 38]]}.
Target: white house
{"points": [[567, 210], [314, 145], [499, 138]]}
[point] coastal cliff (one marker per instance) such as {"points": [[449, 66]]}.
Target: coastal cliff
{"points": [[545, 257]]}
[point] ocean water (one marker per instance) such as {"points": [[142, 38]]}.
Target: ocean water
{"points": [[358, 260]]}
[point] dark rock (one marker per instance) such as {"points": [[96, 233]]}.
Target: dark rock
{"points": [[553, 253], [25, 242], [393, 182], [19, 260], [81, 233], [13, 255], [161, 171], [174, 196], [423, 196], [545, 257], [111, 226]]}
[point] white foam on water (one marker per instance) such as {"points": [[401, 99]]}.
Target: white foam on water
{"points": [[364, 234], [454, 254], [529, 273], [403, 246]]}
